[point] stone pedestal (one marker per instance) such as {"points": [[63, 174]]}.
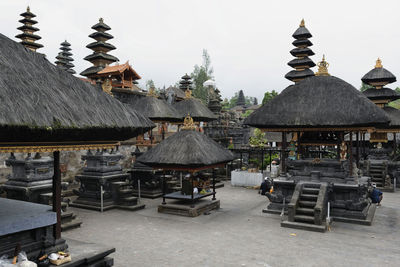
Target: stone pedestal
{"points": [[30, 178], [104, 171]]}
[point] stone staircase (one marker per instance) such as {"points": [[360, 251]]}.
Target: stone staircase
{"points": [[308, 207], [124, 196], [377, 170]]}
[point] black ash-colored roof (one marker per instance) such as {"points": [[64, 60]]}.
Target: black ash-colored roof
{"points": [[156, 109], [179, 93], [394, 115], [100, 55], [101, 44], [92, 70], [193, 107], [295, 74], [378, 75], [383, 93], [301, 62], [101, 36], [101, 26], [301, 51], [302, 42], [315, 102], [301, 33], [40, 102], [186, 149]]}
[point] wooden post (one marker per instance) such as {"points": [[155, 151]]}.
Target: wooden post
{"points": [[358, 150], [351, 155], [262, 160], [213, 181], [57, 194], [363, 145], [299, 152], [164, 188], [283, 157], [394, 143]]}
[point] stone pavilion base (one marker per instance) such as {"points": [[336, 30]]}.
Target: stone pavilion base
{"points": [[186, 209]]}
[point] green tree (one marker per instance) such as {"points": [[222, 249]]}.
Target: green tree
{"points": [[246, 113], [150, 84], [364, 87], [268, 96], [396, 103], [258, 140], [201, 74]]}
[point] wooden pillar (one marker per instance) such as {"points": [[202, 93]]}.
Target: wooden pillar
{"points": [[394, 143], [299, 152], [283, 157], [363, 145], [351, 154], [164, 189], [213, 183], [57, 194], [358, 149]]}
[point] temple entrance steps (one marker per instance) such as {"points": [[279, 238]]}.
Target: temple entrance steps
{"points": [[377, 170], [308, 207], [124, 193]]}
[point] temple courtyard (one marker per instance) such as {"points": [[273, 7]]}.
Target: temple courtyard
{"points": [[239, 234]]}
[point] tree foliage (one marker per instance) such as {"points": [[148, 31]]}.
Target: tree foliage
{"points": [[258, 140], [396, 103], [364, 87], [149, 84], [201, 74], [268, 96]]}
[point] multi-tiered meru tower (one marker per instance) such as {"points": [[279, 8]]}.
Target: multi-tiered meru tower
{"points": [[28, 36], [99, 58], [64, 58], [302, 63]]}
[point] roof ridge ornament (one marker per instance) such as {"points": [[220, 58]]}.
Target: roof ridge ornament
{"points": [[322, 68], [28, 9], [302, 23], [101, 20], [378, 64], [188, 93], [188, 123], [152, 92]]}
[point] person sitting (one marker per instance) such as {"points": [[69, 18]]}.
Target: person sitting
{"points": [[265, 186], [376, 195]]}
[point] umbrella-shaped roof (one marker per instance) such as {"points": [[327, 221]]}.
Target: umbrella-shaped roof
{"points": [[193, 107], [155, 109], [318, 102], [41, 103], [186, 150]]}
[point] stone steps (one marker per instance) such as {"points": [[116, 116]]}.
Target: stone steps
{"points": [[311, 191], [308, 197], [305, 211], [304, 219], [304, 226], [310, 204]]}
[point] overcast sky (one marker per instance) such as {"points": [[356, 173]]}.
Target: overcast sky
{"points": [[248, 41]]}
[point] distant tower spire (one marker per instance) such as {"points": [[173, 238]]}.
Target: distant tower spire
{"points": [[99, 58], [27, 36], [185, 83], [64, 58], [241, 101], [302, 63]]}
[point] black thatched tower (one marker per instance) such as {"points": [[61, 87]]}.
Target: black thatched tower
{"points": [[302, 63], [27, 36], [241, 101], [185, 83], [64, 58], [99, 58]]}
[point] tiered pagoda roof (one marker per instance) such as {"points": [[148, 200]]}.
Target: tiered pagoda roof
{"points": [[100, 57], [64, 58], [241, 101], [379, 77], [28, 36], [193, 107], [302, 63], [185, 83]]}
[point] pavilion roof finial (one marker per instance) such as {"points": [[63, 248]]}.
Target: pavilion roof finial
{"points": [[101, 20], [302, 23], [378, 64], [188, 123], [28, 9], [188, 93], [322, 68]]}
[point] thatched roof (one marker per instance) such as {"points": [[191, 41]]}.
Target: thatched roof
{"points": [[378, 75], [155, 109], [179, 93], [317, 102], [383, 93], [187, 149], [394, 115], [194, 108], [40, 102]]}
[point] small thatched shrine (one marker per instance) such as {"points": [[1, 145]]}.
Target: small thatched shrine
{"points": [[188, 151], [319, 110]]}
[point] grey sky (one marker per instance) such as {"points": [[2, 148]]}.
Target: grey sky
{"points": [[248, 41]]}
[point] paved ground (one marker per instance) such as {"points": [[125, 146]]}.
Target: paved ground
{"points": [[239, 234]]}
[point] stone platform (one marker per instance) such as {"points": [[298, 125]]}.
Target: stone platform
{"points": [[187, 209]]}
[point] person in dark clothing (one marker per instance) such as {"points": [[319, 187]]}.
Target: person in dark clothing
{"points": [[376, 195], [265, 186]]}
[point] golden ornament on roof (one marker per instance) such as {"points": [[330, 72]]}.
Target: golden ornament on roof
{"points": [[188, 93], [302, 24], [323, 68], [152, 92], [188, 123], [378, 64], [107, 86]]}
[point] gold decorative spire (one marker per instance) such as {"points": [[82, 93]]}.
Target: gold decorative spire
{"points": [[188, 123], [302, 24], [28, 9], [188, 93], [152, 92], [323, 68], [101, 20], [378, 64]]}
